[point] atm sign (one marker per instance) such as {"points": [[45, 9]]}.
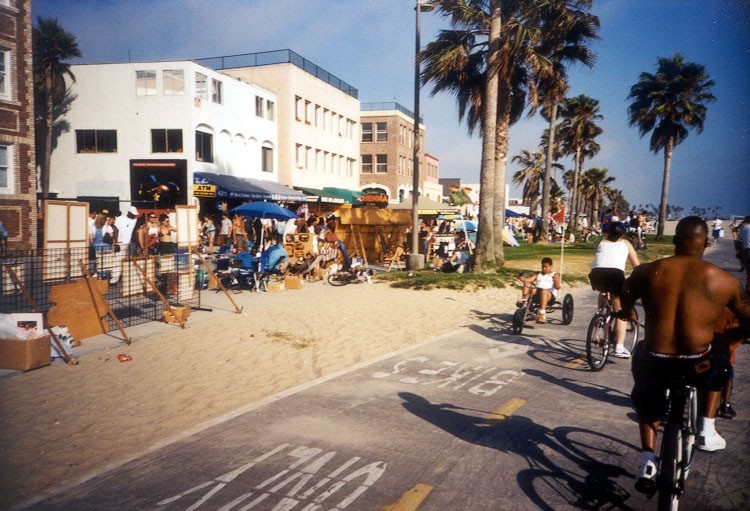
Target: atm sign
{"points": [[204, 190]]}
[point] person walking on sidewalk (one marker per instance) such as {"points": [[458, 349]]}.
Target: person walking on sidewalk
{"points": [[683, 297]]}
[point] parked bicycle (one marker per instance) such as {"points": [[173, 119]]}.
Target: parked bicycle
{"points": [[237, 280], [677, 444], [591, 235], [601, 336]]}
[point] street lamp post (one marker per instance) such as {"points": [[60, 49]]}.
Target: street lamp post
{"points": [[415, 260]]}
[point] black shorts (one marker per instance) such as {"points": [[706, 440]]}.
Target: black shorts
{"points": [[652, 376], [607, 280]]}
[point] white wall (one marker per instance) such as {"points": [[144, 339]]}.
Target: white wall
{"points": [[106, 99]]}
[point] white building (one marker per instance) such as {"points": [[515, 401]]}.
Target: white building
{"points": [[318, 117], [141, 131]]}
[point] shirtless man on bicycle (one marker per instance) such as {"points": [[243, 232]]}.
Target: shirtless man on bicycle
{"points": [[683, 296]]}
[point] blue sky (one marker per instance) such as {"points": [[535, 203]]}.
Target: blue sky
{"points": [[370, 44]]}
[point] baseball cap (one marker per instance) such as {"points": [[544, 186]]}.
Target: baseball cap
{"points": [[133, 210]]}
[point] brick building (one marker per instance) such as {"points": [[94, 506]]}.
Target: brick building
{"points": [[18, 211]]}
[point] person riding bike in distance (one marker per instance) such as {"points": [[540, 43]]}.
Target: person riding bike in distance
{"points": [[547, 283], [608, 275], [683, 296]]}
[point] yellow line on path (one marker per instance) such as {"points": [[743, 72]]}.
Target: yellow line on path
{"points": [[410, 500], [504, 411]]}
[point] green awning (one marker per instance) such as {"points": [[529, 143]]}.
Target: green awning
{"points": [[349, 196], [315, 195]]}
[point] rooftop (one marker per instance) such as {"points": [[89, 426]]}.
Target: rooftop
{"points": [[387, 105], [268, 58]]}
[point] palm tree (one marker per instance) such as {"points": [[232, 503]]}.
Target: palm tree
{"points": [[669, 104], [617, 200], [577, 132], [530, 174], [570, 28], [52, 45], [594, 188], [458, 61]]}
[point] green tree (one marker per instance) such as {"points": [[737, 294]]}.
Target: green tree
{"points": [[594, 187], [465, 62], [52, 46], [570, 29], [577, 133], [668, 104]]}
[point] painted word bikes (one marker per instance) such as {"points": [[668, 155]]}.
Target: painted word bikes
{"points": [[312, 481]]}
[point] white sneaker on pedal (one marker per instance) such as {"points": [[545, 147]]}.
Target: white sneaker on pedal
{"points": [[646, 482], [621, 352], [710, 443]]}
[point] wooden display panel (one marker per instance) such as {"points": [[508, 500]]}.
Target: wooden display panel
{"points": [[186, 224], [133, 282], [66, 238]]}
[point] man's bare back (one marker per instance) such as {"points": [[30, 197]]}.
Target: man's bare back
{"points": [[683, 297]]}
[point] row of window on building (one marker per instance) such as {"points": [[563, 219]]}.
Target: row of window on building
{"points": [[323, 118], [173, 84], [319, 160]]}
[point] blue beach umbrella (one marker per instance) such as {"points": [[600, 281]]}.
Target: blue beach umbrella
{"points": [[263, 210]]}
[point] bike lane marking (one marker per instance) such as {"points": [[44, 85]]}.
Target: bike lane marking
{"points": [[505, 411], [411, 499]]}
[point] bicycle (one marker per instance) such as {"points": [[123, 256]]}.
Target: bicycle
{"points": [[591, 235], [601, 336], [677, 444], [530, 308]]}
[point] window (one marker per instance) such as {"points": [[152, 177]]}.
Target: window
{"points": [[308, 157], [259, 104], [367, 164], [166, 141], [174, 82], [6, 157], [267, 159], [298, 108], [145, 83], [318, 116], [382, 128], [298, 156], [96, 141], [204, 146], [382, 164], [366, 132], [201, 86], [270, 110], [308, 112], [217, 89], [5, 73]]}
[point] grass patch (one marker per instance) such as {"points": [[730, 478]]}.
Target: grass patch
{"points": [[576, 260], [293, 341]]}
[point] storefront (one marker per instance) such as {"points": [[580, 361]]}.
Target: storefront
{"points": [[220, 192]]}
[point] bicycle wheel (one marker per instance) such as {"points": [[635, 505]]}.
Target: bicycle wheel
{"points": [[597, 342], [592, 237], [338, 279], [669, 479], [632, 334], [518, 318], [567, 309]]}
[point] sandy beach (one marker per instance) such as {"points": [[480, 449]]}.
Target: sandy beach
{"points": [[63, 423]]}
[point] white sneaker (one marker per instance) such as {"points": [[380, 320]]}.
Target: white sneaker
{"points": [[621, 352], [646, 482], [710, 443]]}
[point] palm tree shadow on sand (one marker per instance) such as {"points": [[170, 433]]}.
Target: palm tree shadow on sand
{"points": [[582, 475]]}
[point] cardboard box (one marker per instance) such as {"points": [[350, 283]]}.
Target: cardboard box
{"points": [[25, 355], [179, 312], [275, 286], [292, 282]]}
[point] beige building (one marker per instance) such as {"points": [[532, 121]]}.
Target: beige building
{"points": [[387, 151], [17, 159], [317, 117]]}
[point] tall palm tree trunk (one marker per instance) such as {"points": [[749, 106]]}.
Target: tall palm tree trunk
{"points": [[487, 178], [501, 168], [668, 150], [548, 169]]}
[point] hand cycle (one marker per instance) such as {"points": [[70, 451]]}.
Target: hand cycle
{"points": [[677, 444], [601, 336], [529, 309]]}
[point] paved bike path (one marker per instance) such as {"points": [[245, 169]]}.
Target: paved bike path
{"points": [[478, 419]]}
